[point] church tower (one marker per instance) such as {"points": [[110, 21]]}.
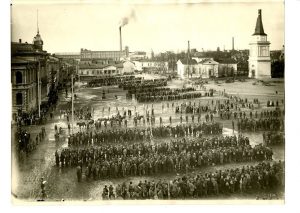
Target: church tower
{"points": [[259, 58]]}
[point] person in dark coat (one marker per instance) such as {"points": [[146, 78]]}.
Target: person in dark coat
{"points": [[79, 173]]}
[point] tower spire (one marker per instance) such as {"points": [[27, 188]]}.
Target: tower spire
{"points": [[37, 21], [259, 28]]}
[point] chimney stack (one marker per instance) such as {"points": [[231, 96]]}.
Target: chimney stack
{"points": [[232, 43], [120, 39]]}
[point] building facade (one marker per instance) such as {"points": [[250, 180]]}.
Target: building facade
{"points": [[148, 65], [110, 55], [194, 68], [259, 58], [227, 67], [29, 76], [24, 84], [34, 75], [138, 55], [74, 56], [89, 70]]}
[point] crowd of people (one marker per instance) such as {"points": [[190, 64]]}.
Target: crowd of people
{"points": [[264, 176], [192, 109], [85, 138], [170, 96], [101, 153], [272, 103], [154, 90], [31, 118], [137, 85], [273, 138], [34, 117], [111, 80], [179, 155], [264, 124], [26, 143]]}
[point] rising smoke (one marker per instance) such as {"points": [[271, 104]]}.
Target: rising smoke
{"points": [[125, 20]]}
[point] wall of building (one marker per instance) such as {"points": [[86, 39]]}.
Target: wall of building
{"points": [[128, 67], [114, 55], [111, 70], [259, 58], [158, 65], [227, 69], [23, 81]]}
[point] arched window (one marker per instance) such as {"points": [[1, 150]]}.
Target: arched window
{"points": [[19, 77], [19, 98]]}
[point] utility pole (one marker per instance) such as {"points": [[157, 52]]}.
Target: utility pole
{"points": [[39, 89], [72, 99], [188, 58]]}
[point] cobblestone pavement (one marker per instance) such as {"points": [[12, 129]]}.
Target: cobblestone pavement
{"points": [[62, 184]]}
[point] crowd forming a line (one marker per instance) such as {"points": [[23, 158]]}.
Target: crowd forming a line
{"points": [[264, 176], [180, 155], [85, 138]]}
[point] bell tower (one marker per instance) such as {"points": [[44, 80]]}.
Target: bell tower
{"points": [[259, 58]]}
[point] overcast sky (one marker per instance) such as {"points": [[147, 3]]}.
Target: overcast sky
{"points": [[161, 27]]}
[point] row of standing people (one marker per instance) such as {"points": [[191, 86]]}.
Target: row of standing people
{"points": [[263, 177], [157, 164], [264, 124], [273, 138], [143, 134]]}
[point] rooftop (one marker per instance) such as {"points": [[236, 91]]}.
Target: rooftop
{"points": [[259, 28], [190, 62], [226, 61]]}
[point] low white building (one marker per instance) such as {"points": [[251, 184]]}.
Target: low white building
{"points": [[145, 64], [93, 69], [194, 68], [185, 68], [98, 70], [138, 55], [209, 68], [127, 67]]}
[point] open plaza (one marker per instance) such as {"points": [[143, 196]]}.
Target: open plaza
{"points": [[62, 181], [103, 124]]}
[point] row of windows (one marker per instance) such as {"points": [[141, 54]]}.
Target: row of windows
{"points": [[101, 55], [19, 78], [19, 97], [99, 72]]}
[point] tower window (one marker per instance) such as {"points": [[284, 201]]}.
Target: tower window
{"points": [[19, 77], [19, 98]]}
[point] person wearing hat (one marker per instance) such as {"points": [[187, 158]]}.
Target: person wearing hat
{"points": [[79, 173]]}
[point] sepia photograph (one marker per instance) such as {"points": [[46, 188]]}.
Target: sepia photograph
{"points": [[157, 101]]}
